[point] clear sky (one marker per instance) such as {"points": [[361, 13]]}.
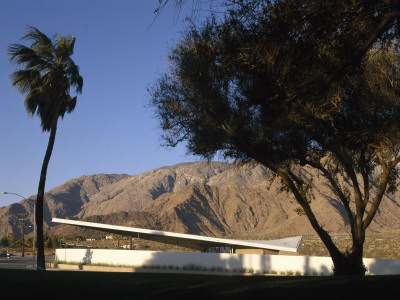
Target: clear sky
{"points": [[120, 52]]}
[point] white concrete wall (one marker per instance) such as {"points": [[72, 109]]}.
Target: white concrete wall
{"points": [[232, 262]]}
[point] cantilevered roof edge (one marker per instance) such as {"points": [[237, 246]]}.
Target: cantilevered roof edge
{"points": [[288, 244]]}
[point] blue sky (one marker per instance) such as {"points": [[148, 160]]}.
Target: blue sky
{"points": [[120, 52]]}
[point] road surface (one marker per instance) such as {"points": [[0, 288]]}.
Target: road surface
{"points": [[18, 262]]}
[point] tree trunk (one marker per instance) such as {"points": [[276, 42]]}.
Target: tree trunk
{"points": [[41, 264], [351, 263], [348, 263]]}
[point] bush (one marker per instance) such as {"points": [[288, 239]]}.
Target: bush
{"points": [[4, 242], [54, 242], [49, 243]]}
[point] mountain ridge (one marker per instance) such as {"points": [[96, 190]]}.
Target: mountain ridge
{"points": [[206, 198]]}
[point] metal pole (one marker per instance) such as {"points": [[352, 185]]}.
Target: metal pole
{"points": [[34, 234], [23, 236]]}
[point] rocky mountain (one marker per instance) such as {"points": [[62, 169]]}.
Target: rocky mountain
{"points": [[206, 198]]}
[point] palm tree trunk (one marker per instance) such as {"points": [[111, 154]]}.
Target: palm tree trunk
{"points": [[41, 264]]}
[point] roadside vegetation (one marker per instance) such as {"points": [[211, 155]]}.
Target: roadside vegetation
{"points": [[13, 244], [377, 245]]}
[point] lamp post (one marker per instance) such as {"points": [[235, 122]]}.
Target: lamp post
{"points": [[34, 227]]}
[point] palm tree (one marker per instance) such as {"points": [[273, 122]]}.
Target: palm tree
{"points": [[45, 78]]}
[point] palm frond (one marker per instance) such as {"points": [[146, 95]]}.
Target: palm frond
{"points": [[32, 101], [25, 80], [40, 41], [46, 76], [64, 46], [75, 80], [72, 104]]}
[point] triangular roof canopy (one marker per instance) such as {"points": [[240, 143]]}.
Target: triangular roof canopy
{"points": [[188, 240]]}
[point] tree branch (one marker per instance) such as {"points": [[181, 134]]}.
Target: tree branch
{"points": [[338, 191], [325, 237]]}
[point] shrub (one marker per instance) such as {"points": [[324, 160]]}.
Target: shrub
{"points": [[250, 270], [4, 242]]}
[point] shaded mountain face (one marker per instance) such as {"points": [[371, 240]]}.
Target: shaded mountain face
{"points": [[64, 201], [213, 199]]}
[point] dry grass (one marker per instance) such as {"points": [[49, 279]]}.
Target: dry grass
{"points": [[377, 245]]}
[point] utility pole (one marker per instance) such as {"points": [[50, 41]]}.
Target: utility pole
{"points": [[22, 222], [34, 227], [34, 235]]}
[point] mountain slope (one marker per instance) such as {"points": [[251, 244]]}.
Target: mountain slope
{"points": [[214, 199], [136, 192], [65, 200]]}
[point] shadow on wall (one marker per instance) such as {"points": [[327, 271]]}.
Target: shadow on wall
{"points": [[243, 263], [87, 258], [319, 268], [199, 261], [382, 266], [221, 262]]}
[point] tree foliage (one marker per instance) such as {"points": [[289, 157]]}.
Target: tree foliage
{"points": [[4, 242], [52, 242], [292, 85], [47, 74]]}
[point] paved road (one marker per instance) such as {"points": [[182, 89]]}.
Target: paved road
{"points": [[18, 262]]}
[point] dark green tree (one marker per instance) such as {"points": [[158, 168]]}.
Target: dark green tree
{"points": [[49, 243], [29, 241], [295, 85], [11, 239], [46, 75], [4, 242], [54, 242]]}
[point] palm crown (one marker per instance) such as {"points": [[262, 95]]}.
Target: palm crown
{"points": [[46, 76]]}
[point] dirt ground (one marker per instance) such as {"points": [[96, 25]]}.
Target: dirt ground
{"points": [[377, 245]]}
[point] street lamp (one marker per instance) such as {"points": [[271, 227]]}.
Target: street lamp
{"points": [[34, 226]]}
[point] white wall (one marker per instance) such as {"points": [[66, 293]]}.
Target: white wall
{"points": [[233, 262]]}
